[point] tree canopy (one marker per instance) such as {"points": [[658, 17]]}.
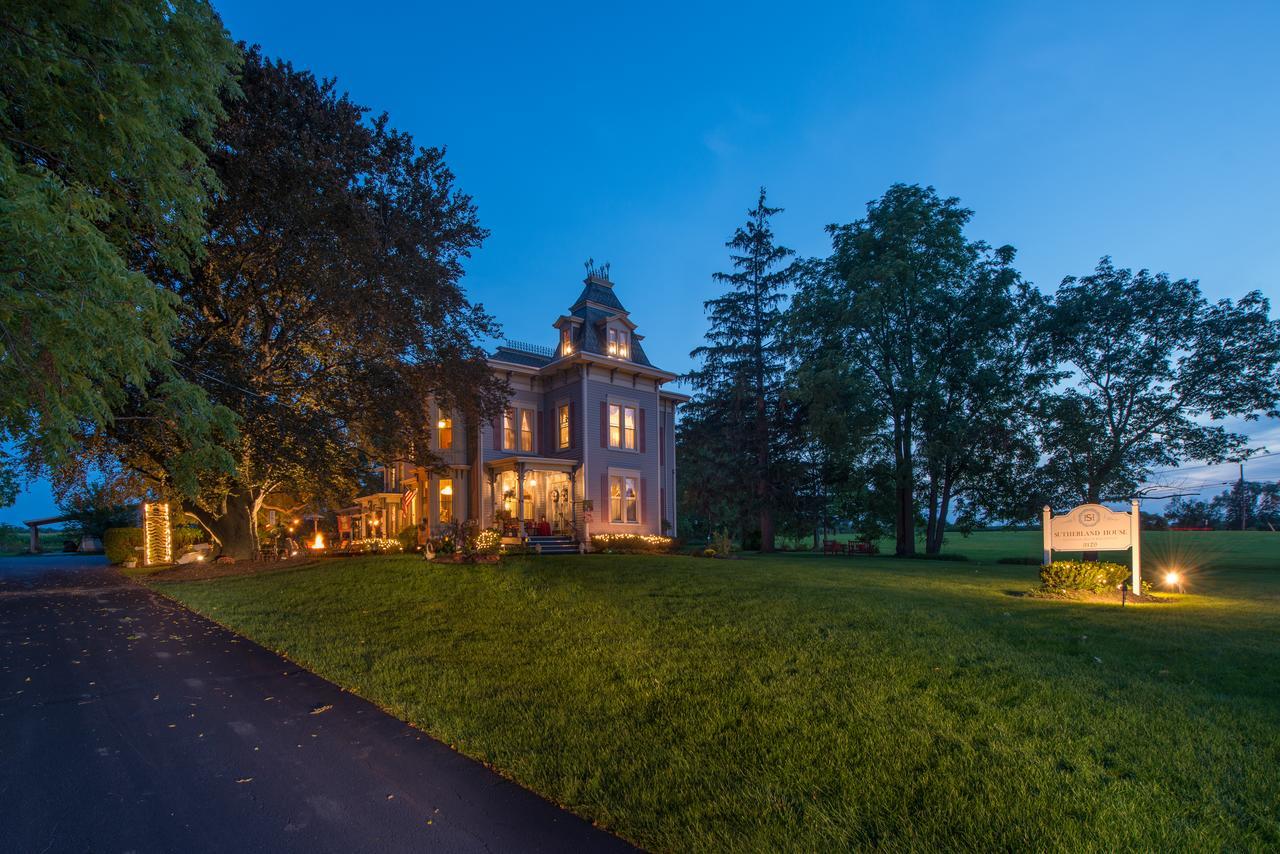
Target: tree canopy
{"points": [[327, 306], [1152, 366], [104, 121]]}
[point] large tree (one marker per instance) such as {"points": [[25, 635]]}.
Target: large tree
{"points": [[327, 308], [1154, 368], [920, 323], [104, 112], [739, 384]]}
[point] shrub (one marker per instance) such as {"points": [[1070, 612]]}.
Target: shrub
{"points": [[376, 546], [721, 543], [408, 538], [631, 543], [121, 544], [488, 541], [1092, 576], [185, 536]]}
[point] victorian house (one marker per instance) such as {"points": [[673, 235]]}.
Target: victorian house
{"points": [[585, 446]]}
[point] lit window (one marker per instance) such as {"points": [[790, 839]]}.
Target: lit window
{"points": [[446, 500], [444, 433], [509, 430], [613, 342], [622, 426], [526, 430], [563, 418], [566, 340], [624, 500], [624, 345]]}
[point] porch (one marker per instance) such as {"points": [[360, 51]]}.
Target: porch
{"points": [[533, 496]]}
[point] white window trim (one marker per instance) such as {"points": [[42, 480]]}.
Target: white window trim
{"points": [[634, 473], [564, 402], [610, 401]]}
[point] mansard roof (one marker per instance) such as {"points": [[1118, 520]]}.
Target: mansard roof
{"points": [[594, 309], [599, 290]]}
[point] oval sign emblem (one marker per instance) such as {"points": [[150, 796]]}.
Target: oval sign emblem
{"points": [[1089, 518]]}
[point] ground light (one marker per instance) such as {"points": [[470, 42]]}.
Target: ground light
{"points": [[1173, 579]]}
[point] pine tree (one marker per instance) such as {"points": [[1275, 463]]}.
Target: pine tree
{"points": [[740, 381]]}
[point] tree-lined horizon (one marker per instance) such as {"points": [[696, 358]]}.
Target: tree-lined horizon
{"points": [[924, 383]]}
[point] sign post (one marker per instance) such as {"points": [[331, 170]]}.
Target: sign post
{"points": [[1092, 527]]}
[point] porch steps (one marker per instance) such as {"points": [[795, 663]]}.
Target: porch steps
{"points": [[556, 544]]}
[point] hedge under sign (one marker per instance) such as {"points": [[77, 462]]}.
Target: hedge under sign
{"points": [[1092, 527]]}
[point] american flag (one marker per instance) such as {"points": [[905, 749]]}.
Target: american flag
{"points": [[406, 500]]}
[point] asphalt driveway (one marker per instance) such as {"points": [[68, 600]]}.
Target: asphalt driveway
{"points": [[127, 723]]}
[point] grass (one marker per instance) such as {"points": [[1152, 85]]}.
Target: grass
{"points": [[801, 702]]}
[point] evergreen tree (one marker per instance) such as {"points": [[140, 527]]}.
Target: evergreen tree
{"points": [[738, 389]]}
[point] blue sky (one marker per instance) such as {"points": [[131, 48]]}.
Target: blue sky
{"points": [[640, 135]]}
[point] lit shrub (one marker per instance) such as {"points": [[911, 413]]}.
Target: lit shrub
{"points": [[1091, 576], [631, 543], [488, 541], [376, 546]]}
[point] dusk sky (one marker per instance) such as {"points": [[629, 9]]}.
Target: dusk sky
{"points": [[640, 136]]}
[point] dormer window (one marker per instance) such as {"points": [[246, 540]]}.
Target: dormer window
{"points": [[566, 340], [619, 343]]}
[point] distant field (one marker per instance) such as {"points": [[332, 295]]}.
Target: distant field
{"points": [[1190, 549], [800, 702], [15, 540]]}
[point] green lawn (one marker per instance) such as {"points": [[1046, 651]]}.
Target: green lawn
{"points": [[802, 702]]}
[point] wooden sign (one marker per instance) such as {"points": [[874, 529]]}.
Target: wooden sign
{"points": [[1094, 528]]}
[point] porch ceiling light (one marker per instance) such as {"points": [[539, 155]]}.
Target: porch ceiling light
{"points": [[441, 424]]}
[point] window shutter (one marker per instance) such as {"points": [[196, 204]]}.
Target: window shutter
{"points": [[604, 424], [640, 428], [662, 443], [605, 510], [574, 429], [640, 500], [662, 507]]}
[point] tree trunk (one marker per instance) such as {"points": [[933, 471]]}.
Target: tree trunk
{"points": [[762, 476], [931, 522], [905, 515], [933, 545], [235, 529]]}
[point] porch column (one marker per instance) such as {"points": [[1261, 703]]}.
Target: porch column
{"points": [[520, 497], [573, 499], [493, 498]]}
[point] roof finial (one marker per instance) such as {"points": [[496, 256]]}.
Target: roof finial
{"points": [[599, 272]]}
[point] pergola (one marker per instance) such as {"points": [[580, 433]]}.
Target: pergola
{"points": [[33, 527]]}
